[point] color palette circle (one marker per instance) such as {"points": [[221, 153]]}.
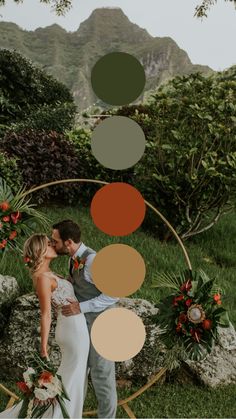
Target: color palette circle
{"points": [[118, 270], [118, 142], [118, 209], [118, 334], [118, 78]]}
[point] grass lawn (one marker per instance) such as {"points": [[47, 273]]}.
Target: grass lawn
{"points": [[214, 252]]}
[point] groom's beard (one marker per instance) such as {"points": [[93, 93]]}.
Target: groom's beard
{"points": [[62, 251]]}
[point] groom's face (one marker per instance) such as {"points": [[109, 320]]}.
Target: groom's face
{"points": [[58, 243]]}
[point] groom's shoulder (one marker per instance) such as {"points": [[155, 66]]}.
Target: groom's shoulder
{"points": [[89, 251]]}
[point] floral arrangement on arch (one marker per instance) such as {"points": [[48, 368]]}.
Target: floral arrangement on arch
{"points": [[189, 317], [42, 387], [17, 217]]}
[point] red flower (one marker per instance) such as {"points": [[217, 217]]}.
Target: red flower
{"points": [[188, 302], [6, 218], [186, 286], [4, 206], [3, 244], [207, 324], [15, 216], [178, 298], [23, 387], [182, 318], [179, 327], [13, 235]]}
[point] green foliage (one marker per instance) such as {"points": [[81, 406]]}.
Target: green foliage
{"points": [[194, 337], [17, 217], [10, 172], [188, 170], [42, 158], [89, 167], [203, 8], [59, 6], [31, 98]]}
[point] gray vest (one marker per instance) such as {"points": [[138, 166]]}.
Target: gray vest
{"points": [[84, 290]]}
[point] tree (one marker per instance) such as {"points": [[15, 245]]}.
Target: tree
{"points": [[202, 9], [188, 169], [58, 6], [32, 98]]}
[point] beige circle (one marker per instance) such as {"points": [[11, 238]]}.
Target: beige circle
{"points": [[118, 334], [118, 270]]}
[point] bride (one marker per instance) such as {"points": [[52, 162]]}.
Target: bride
{"points": [[71, 332]]}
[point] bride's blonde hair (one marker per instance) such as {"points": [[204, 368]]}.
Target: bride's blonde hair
{"points": [[35, 248]]}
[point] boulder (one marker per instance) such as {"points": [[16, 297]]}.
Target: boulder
{"points": [[219, 367], [22, 336], [9, 290]]}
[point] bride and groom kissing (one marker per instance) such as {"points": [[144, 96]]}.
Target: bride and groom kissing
{"points": [[78, 302]]}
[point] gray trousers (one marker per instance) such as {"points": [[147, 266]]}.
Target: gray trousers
{"points": [[103, 377]]}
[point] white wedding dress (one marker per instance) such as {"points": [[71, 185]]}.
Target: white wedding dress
{"points": [[73, 339]]}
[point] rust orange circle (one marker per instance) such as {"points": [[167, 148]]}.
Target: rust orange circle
{"points": [[118, 209]]}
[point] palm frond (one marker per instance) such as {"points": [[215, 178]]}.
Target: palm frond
{"points": [[168, 280], [5, 191]]}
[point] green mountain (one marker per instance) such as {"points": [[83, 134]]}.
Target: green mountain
{"points": [[70, 56]]}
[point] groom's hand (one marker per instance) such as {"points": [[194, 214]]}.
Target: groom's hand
{"points": [[71, 309]]}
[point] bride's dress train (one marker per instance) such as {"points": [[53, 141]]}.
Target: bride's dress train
{"points": [[73, 339]]}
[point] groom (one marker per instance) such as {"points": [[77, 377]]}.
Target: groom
{"points": [[66, 240]]}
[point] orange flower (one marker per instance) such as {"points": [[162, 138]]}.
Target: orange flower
{"points": [[76, 264], [45, 377], [207, 324], [3, 244], [13, 235], [217, 298], [4, 206], [6, 218]]}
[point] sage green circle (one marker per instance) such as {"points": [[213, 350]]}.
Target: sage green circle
{"points": [[118, 78], [118, 142]]}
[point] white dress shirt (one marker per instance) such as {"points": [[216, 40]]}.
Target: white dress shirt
{"points": [[102, 301]]}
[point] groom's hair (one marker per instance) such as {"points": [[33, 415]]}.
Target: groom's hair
{"points": [[68, 229]]}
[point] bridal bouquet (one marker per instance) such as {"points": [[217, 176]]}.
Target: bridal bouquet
{"points": [[190, 315], [42, 387]]}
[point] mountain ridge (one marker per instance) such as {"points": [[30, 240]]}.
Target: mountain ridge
{"points": [[70, 56]]}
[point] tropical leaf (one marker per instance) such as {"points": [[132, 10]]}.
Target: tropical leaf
{"points": [[5, 191], [168, 280]]}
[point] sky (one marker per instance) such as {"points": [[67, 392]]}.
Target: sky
{"points": [[209, 41]]}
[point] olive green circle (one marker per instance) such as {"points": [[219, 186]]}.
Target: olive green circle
{"points": [[118, 78]]}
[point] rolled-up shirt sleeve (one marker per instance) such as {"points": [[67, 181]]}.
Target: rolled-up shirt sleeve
{"points": [[102, 301]]}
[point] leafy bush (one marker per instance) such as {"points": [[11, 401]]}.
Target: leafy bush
{"points": [[10, 172], [188, 170], [30, 97], [90, 168], [44, 157]]}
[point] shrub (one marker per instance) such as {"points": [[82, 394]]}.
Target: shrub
{"points": [[44, 157], [188, 170], [10, 172], [30, 97]]}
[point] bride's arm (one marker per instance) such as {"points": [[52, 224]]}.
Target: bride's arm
{"points": [[44, 295]]}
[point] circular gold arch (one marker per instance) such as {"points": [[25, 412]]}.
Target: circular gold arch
{"points": [[123, 403]]}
